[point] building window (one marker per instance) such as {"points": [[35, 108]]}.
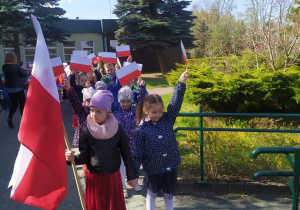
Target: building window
{"points": [[30, 51], [69, 47], [88, 46], [7, 50], [29, 55]]}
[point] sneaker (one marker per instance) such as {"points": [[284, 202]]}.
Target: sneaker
{"points": [[125, 193], [137, 188], [10, 123]]}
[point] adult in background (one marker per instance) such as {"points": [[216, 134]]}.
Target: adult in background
{"points": [[15, 78]]}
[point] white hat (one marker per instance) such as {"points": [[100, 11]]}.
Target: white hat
{"points": [[125, 93], [88, 93]]}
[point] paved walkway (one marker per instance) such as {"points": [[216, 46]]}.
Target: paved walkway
{"points": [[9, 150]]}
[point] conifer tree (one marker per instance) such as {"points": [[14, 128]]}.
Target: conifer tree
{"points": [[155, 24], [16, 26]]}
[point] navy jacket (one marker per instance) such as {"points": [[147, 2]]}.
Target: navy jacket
{"points": [[155, 144], [15, 76]]}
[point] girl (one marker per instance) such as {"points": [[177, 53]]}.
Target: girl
{"points": [[126, 116], [156, 147], [81, 83], [101, 143]]}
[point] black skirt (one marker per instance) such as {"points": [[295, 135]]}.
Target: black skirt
{"points": [[161, 183]]}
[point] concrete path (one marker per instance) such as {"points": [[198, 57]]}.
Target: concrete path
{"points": [[9, 150], [160, 91]]}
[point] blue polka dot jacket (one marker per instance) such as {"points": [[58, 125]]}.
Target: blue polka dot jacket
{"points": [[155, 145]]}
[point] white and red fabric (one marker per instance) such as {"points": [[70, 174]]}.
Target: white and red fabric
{"points": [[28, 81], [57, 66], [40, 175], [93, 57], [30, 66], [109, 57], [128, 73], [123, 51], [80, 53], [184, 54], [3, 80], [100, 56], [78, 63], [140, 66]]}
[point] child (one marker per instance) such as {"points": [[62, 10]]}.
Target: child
{"points": [[101, 143], [126, 116], [156, 147], [110, 72], [100, 85], [81, 83]]}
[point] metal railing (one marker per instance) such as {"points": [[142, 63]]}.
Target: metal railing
{"points": [[201, 128], [295, 165]]}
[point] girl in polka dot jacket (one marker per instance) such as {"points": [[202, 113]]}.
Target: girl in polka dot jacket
{"points": [[155, 145]]}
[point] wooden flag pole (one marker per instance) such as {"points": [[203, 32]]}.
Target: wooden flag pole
{"points": [[74, 170]]}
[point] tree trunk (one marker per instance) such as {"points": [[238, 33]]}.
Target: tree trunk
{"points": [[17, 46], [161, 60]]}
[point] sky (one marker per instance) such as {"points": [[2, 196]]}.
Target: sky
{"points": [[102, 9], [91, 9]]}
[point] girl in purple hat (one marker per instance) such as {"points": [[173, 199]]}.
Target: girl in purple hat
{"points": [[101, 143]]}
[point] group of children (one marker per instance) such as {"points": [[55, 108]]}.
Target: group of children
{"points": [[114, 138]]}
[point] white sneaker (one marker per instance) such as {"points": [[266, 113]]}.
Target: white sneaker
{"points": [[137, 188], [125, 193]]}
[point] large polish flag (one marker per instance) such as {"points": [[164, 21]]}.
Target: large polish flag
{"points": [[57, 66], [109, 57], [140, 66], [79, 63], [123, 51], [128, 73], [93, 57], [40, 175]]}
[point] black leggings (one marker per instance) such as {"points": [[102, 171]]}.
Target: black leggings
{"points": [[15, 99]]}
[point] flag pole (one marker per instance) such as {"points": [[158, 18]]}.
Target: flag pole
{"points": [[74, 170]]}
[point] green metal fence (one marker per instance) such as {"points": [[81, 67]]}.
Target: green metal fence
{"points": [[200, 115], [295, 165]]}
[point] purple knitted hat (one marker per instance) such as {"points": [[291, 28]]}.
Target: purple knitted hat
{"points": [[102, 99]]}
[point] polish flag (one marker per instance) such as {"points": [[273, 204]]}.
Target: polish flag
{"points": [[123, 51], [40, 174], [128, 73], [78, 63], [68, 70], [109, 57], [93, 57], [57, 66], [184, 54], [30, 66], [28, 81], [100, 56], [3, 80], [140, 66]]}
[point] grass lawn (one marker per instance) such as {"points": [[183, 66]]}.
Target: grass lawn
{"points": [[155, 82]]}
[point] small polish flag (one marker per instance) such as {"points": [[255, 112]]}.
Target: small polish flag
{"points": [[123, 51], [65, 65], [30, 66], [93, 57], [78, 63], [57, 66], [109, 57], [28, 81], [100, 56], [81, 53], [140, 66], [128, 73], [184, 54], [68, 70], [3, 80]]}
